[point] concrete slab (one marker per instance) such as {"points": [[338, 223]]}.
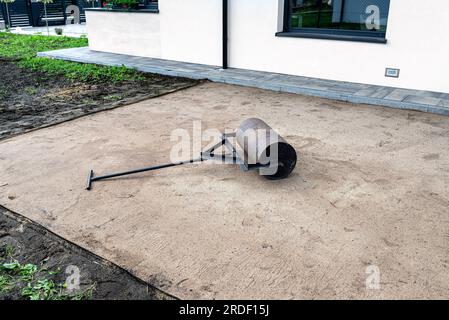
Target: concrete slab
{"points": [[444, 103], [423, 100], [371, 189], [400, 94]]}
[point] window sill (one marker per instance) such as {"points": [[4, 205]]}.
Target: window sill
{"points": [[123, 10], [327, 36]]}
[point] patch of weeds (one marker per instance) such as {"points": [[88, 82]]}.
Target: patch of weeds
{"points": [[113, 97], [9, 251], [3, 93], [6, 252], [31, 91], [88, 101], [35, 283], [5, 283], [27, 272], [47, 290], [10, 267], [43, 290]]}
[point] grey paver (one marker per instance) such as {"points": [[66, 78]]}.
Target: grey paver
{"points": [[381, 92], [421, 99], [426, 101], [368, 91], [345, 89], [444, 103], [399, 94]]}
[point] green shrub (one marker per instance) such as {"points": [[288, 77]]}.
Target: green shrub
{"points": [[124, 3]]}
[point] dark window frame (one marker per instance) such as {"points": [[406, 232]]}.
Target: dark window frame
{"points": [[149, 4], [143, 6], [329, 34]]}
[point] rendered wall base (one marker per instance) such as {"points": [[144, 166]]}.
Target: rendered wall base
{"points": [[136, 34], [188, 31]]}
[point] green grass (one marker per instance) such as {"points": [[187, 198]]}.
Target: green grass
{"points": [[24, 48], [34, 283]]}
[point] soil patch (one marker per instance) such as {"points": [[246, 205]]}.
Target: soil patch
{"points": [[30, 99], [36, 245], [369, 194]]}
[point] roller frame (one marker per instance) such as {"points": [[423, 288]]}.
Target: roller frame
{"points": [[230, 158]]}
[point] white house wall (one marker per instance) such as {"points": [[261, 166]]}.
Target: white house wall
{"points": [[418, 44], [191, 31], [125, 33]]}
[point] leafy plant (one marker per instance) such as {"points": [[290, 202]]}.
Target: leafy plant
{"points": [[3, 93], [36, 283], [126, 4], [11, 267], [45, 289], [28, 271], [5, 283], [6, 252]]}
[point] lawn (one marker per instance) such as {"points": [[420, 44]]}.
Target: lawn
{"points": [[23, 48]]}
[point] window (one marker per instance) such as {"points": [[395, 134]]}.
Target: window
{"points": [[349, 19], [148, 4], [130, 6]]}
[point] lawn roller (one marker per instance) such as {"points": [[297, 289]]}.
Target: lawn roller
{"points": [[253, 146]]}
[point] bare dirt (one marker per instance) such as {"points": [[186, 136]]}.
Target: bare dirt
{"points": [[370, 193], [30, 99], [34, 244]]}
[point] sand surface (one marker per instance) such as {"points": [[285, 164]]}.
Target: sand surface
{"points": [[370, 189]]}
